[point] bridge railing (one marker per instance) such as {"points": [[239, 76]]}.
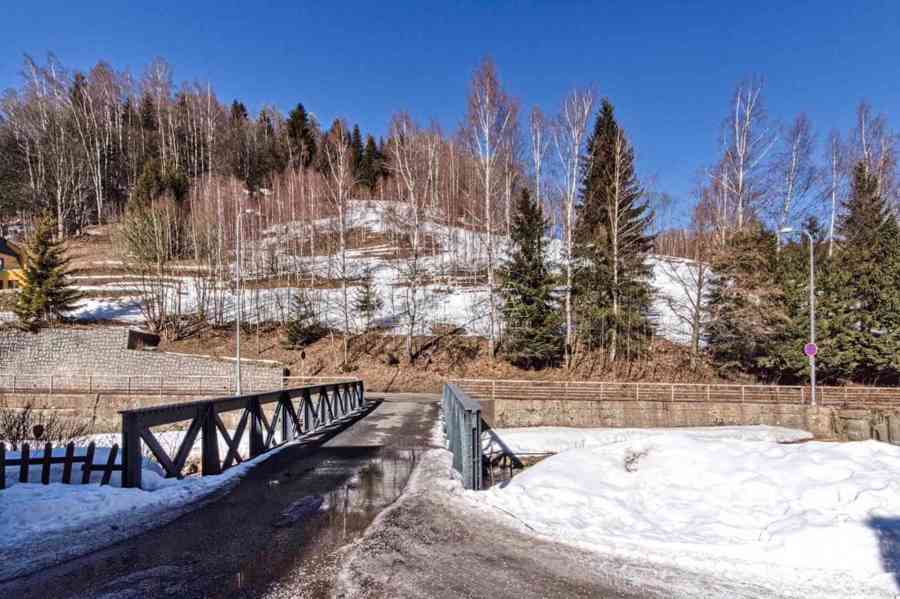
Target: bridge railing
{"points": [[463, 427], [297, 411]]}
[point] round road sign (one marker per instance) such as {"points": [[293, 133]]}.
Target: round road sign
{"points": [[810, 349]]}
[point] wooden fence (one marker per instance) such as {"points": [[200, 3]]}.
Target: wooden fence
{"points": [[47, 459], [843, 397], [146, 384]]}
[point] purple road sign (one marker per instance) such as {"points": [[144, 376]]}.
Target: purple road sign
{"points": [[810, 349]]}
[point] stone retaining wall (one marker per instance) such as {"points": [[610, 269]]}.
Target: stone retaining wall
{"points": [[868, 413], [99, 412], [105, 351], [824, 422]]}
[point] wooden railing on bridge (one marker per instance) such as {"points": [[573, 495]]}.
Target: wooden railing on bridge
{"points": [[297, 411]]}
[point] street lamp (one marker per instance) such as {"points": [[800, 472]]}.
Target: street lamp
{"points": [[810, 349], [240, 297]]}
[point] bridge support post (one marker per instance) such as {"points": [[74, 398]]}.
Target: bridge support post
{"points": [[256, 436], [131, 452], [210, 459]]}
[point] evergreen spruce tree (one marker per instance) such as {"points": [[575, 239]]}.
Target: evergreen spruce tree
{"points": [[371, 164], [366, 301], [301, 136], [304, 327], [533, 324], [747, 303], [46, 294], [356, 146], [612, 292], [859, 316], [787, 333]]}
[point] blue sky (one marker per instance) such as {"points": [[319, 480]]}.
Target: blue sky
{"points": [[669, 67]]}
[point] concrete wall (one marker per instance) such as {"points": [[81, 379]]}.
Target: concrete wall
{"points": [[100, 411], [824, 422], [104, 351], [842, 413]]}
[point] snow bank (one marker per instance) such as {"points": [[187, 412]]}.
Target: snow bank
{"points": [[811, 515], [44, 524], [556, 439]]}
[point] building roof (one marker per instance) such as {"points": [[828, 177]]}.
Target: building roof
{"points": [[9, 250]]}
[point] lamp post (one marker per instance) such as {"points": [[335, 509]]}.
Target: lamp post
{"points": [[811, 349], [240, 298]]}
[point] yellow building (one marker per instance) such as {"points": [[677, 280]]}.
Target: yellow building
{"points": [[11, 262]]}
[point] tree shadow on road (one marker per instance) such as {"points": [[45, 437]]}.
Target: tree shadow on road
{"points": [[888, 532]]}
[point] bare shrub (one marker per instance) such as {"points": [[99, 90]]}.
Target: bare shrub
{"points": [[633, 457], [25, 424]]}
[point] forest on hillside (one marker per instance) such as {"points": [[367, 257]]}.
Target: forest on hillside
{"points": [[180, 174]]}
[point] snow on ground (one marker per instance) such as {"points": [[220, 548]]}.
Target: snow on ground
{"points": [[48, 523], [556, 439], [448, 303], [820, 518]]}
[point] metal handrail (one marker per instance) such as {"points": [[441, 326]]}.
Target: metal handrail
{"points": [[462, 426], [319, 406]]}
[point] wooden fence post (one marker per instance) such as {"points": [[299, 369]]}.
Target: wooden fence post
{"points": [[210, 457], [131, 452], [256, 437]]}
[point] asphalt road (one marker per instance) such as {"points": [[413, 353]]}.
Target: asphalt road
{"points": [[266, 537]]}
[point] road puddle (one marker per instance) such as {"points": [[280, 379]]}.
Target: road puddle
{"points": [[341, 516]]}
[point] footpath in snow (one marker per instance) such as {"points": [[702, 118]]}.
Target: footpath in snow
{"points": [[809, 519]]}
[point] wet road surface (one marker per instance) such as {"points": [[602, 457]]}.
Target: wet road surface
{"points": [[269, 536]]}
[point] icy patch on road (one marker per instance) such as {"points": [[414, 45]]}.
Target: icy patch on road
{"points": [[556, 439], [806, 516]]}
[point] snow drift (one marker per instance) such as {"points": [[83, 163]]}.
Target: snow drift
{"points": [[797, 515]]}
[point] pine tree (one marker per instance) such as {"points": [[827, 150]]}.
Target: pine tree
{"points": [[46, 294], [860, 316], [533, 324], [371, 164], [748, 313], [612, 293], [356, 146], [301, 136], [367, 302], [304, 326]]}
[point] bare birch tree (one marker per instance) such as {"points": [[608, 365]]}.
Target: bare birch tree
{"points": [[569, 135], [339, 183], [748, 141], [794, 170], [489, 118]]}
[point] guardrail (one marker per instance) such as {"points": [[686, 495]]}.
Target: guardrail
{"points": [[487, 389], [319, 406], [462, 426]]}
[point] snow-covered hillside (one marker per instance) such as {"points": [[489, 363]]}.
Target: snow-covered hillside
{"points": [[452, 293]]}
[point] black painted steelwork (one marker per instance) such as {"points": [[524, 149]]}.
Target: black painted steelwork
{"points": [[298, 411]]}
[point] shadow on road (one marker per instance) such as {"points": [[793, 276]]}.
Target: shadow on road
{"points": [[888, 532]]}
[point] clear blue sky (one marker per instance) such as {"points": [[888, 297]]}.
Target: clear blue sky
{"points": [[669, 68]]}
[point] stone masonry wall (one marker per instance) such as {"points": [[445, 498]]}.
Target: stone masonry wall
{"points": [[104, 351], [824, 422]]}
